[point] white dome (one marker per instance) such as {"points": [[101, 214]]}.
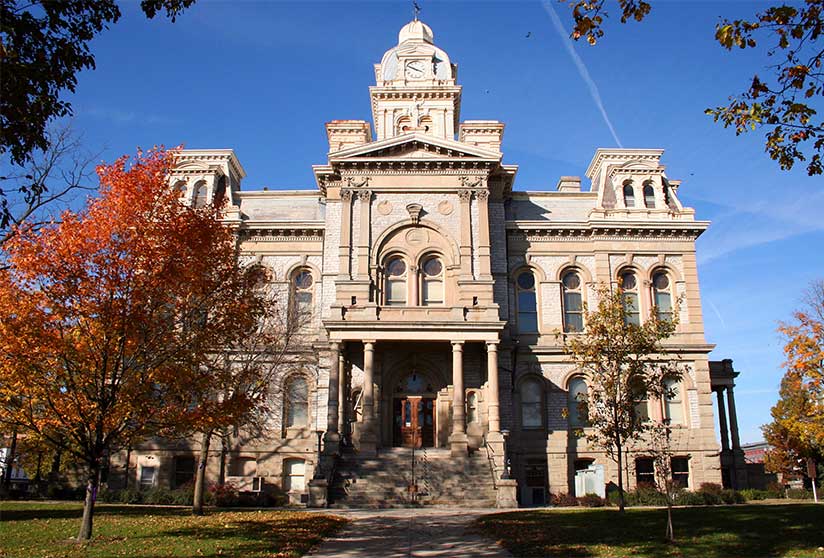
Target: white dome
{"points": [[416, 29]]}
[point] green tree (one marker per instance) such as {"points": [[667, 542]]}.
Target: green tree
{"points": [[782, 100], [43, 46], [624, 363]]}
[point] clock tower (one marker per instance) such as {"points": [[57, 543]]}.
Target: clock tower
{"points": [[415, 87]]}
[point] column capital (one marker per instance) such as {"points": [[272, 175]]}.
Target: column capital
{"points": [[492, 345], [457, 346], [334, 346], [369, 342]]}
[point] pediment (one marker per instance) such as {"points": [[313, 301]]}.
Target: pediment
{"points": [[418, 146]]}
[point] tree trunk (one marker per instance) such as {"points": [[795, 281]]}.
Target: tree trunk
{"points": [[670, 533], [620, 477], [128, 464], [200, 473], [10, 457], [224, 450], [88, 506]]}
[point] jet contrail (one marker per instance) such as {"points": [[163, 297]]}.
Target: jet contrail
{"points": [[582, 69]]}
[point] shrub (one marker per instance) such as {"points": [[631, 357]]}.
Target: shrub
{"points": [[751, 494], [689, 498], [592, 501], [776, 490], [225, 495], [729, 496], [645, 495], [799, 494], [711, 488], [563, 499]]}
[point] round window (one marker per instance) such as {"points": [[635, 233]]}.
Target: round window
{"points": [[396, 268], [572, 281], [526, 280], [432, 267], [661, 281], [303, 280], [628, 281]]}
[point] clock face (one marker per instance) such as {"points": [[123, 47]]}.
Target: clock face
{"points": [[415, 69]]}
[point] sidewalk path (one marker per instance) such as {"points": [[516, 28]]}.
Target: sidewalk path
{"points": [[395, 533]]}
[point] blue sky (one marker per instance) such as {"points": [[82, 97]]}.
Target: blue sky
{"points": [[264, 77]]}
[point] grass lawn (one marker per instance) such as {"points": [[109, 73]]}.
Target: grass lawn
{"points": [[41, 530], [701, 532]]}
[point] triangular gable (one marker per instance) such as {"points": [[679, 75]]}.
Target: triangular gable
{"points": [[414, 146]]}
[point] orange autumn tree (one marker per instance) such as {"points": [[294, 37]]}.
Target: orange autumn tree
{"points": [[796, 434], [107, 317]]}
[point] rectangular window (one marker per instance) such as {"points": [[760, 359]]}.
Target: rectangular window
{"points": [[573, 312], [663, 301], [147, 476], [531, 415], [633, 313], [396, 292], [184, 471], [681, 471], [644, 471], [432, 292]]}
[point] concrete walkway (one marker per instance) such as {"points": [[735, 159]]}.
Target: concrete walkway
{"points": [[396, 533]]}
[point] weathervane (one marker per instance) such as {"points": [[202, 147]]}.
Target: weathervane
{"points": [[416, 9]]}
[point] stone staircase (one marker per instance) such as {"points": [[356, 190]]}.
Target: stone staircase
{"points": [[384, 481]]}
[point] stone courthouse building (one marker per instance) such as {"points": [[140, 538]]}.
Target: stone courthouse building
{"points": [[437, 292]]}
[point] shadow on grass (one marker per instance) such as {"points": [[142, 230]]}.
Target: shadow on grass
{"points": [[718, 532], [25, 511]]}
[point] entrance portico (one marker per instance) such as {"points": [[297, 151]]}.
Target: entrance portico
{"points": [[410, 387]]}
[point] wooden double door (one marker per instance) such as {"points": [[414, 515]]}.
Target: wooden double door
{"points": [[414, 422]]}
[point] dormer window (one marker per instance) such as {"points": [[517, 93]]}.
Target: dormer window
{"points": [[649, 195], [629, 194]]}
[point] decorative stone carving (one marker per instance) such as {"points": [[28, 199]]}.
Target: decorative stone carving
{"points": [[364, 195], [415, 210], [385, 207], [352, 182], [482, 195], [465, 195], [471, 182], [417, 236], [445, 207], [346, 195]]}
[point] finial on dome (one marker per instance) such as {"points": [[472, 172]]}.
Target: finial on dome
{"points": [[416, 9], [416, 30]]}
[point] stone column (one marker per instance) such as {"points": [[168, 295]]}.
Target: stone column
{"points": [[414, 285], [367, 438], [484, 244], [365, 197], [722, 421], [465, 247], [332, 436], [492, 397], [458, 441], [345, 234], [736, 442], [342, 410]]}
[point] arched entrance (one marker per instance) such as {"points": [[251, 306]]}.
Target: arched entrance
{"points": [[414, 412]]}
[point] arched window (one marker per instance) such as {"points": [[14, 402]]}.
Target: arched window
{"points": [[573, 304], [396, 274], [302, 293], [629, 288], [531, 396], [200, 194], [526, 302], [629, 194], [180, 187], [649, 195], [220, 190], [662, 295], [432, 285], [296, 402], [425, 123], [639, 395], [472, 407], [666, 193], [577, 402], [673, 404]]}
